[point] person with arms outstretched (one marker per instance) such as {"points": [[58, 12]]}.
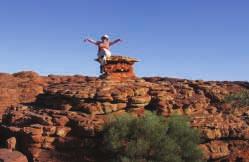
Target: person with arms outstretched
{"points": [[103, 49]]}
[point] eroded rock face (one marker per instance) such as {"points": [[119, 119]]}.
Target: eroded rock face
{"points": [[22, 87], [66, 117]]}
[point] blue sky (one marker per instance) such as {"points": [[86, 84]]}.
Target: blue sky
{"points": [[194, 39]]}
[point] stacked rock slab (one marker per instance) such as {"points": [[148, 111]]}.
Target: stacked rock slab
{"points": [[119, 67]]}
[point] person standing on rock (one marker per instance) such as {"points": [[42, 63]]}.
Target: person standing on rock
{"points": [[103, 49]]}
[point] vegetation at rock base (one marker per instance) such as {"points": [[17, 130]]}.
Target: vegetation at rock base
{"points": [[151, 138], [240, 99]]}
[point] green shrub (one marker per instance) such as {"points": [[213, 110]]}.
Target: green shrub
{"points": [[151, 139], [240, 99]]}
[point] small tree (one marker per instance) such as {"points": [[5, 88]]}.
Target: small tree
{"points": [[151, 139], [240, 99]]}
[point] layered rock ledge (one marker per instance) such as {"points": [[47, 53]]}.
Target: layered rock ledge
{"points": [[57, 118], [119, 68]]}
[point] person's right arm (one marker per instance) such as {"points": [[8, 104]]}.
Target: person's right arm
{"points": [[91, 41]]}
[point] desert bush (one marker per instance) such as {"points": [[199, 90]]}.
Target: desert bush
{"points": [[151, 138], [239, 99]]}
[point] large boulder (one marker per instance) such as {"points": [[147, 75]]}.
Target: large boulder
{"points": [[12, 156]]}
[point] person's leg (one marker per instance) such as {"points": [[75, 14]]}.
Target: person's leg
{"points": [[102, 55], [102, 63], [107, 53], [104, 60], [101, 69]]}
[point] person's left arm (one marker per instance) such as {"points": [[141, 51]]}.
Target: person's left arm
{"points": [[115, 41]]}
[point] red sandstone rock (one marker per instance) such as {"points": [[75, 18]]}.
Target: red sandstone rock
{"points": [[18, 88], [9, 156], [62, 131], [66, 111], [11, 143], [119, 67], [215, 150]]}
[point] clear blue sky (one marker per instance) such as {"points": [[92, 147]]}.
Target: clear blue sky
{"points": [[194, 39]]}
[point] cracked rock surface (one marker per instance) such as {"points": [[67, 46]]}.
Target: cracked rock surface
{"points": [[54, 117]]}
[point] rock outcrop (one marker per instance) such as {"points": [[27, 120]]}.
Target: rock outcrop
{"points": [[22, 87], [12, 156], [119, 67], [63, 115]]}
